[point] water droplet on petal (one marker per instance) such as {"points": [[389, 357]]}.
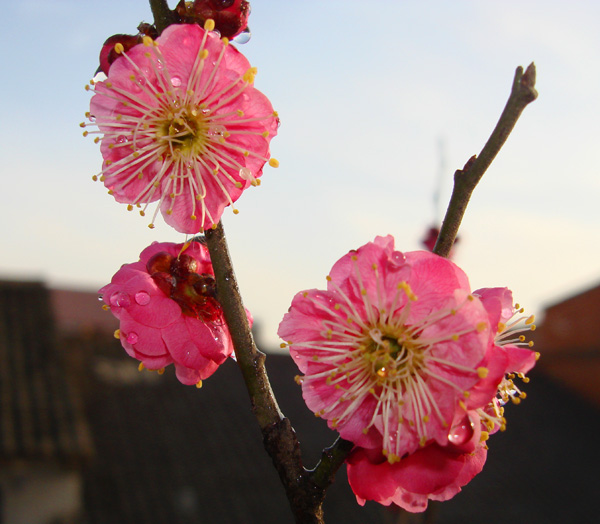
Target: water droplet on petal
{"points": [[461, 433], [120, 299], [132, 338], [142, 298], [121, 139], [243, 37], [159, 64], [176, 81], [245, 173], [398, 258]]}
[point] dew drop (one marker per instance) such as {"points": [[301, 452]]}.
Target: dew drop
{"points": [[141, 81], [461, 433], [159, 64], [142, 298], [244, 37], [398, 258], [176, 81], [245, 173], [132, 338], [120, 299], [121, 139]]}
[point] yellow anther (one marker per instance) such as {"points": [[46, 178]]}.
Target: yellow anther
{"points": [[454, 337], [236, 211], [95, 178], [482, 326], [530, 320], [108, 84], [147, 41], [466, 394], [482, 372], [119, 48], [117, 334], [209, 24], [484, 436], [470, 298], [426, 419], [265, 134], [160, 371], [151, 226], [328, 278], [516, 400], [273, 162], [105, 307], [199, 384], [530, 344], [225, 40], [462, 405], [249, 75], [537, 355], [283, 345], [141, 367]]}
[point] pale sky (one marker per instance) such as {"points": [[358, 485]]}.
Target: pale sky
{"points": [[365, 91]]}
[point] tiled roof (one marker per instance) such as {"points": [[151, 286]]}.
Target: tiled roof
{"points": [[40, 417], [175, 454]]}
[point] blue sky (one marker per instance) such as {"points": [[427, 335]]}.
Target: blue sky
{"points": [[366, 92]]}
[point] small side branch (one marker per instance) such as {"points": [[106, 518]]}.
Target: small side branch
{"points": [[466, 179]]}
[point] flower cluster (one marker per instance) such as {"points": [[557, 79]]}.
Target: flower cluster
{"points": [[181, 125], [168, 311], [405, 362], [230, 16]]}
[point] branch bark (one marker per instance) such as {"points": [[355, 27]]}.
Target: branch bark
{"points": [[466, 179], [304, 494], [163, 16]]}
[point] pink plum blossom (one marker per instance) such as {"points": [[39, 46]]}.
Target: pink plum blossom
{"points": [[181, 124], [391, 348], [405, 362], [168, 312]]}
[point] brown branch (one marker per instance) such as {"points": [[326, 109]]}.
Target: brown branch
{"points": [[163, 16], [305, 496], [466, 179]]}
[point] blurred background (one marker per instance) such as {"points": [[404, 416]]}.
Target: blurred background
{"points": [[380, 103]]}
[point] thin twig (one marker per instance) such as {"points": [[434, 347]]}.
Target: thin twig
{"points": [[523, 93]]}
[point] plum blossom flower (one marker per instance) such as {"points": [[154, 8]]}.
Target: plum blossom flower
{"points": [[405, 362], [390, 349], [168, 312], [181, 124]]}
